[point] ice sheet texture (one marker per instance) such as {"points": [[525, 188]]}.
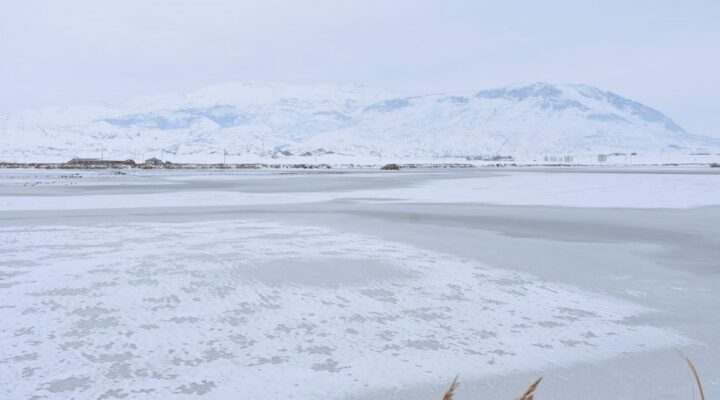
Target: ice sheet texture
{"points": [[626, 189], [250, 309]]}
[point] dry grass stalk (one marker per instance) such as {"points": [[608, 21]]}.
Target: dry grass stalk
{"points": [[530, 392], [450, 393], [697, 378], [528, 395]]}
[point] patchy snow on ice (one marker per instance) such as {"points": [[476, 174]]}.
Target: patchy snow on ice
{"points": [[251, 309]]}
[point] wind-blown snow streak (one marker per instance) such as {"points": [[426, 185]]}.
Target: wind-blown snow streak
{"points": [[279, 120]]}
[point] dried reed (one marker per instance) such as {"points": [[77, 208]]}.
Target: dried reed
{"points": [[530, 392]]}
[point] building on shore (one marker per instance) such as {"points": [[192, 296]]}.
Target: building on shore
{"points": [[153, 161]]}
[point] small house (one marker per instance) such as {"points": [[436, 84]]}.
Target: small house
{"points": [[153, 161]]}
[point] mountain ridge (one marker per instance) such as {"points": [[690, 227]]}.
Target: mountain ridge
{"points": [[268, 119]]}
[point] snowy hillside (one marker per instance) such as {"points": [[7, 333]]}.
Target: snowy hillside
{"points": [[259, 119]]}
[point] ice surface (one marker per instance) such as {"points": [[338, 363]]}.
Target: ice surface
{"points": [[361, 285], [259, 309], [624, 189]]}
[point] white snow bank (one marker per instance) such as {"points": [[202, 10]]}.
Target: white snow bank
{"points": [[622, 190]]}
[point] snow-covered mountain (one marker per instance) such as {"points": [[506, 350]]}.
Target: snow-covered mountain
{"points": [[283, 120]]}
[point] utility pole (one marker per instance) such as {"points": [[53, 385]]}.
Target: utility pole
{"points": [[224, 154]]}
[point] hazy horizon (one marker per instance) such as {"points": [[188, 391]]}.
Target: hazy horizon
{"points": [[80, 52]]}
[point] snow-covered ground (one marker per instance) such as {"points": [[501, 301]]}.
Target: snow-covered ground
{"points": [[258, 284], [251, 120]]}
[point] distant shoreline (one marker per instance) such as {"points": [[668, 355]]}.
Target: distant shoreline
{"points": [[200, 166], [281, 166]]}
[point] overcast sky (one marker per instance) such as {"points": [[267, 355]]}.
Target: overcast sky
{"points": [[665, 54]]}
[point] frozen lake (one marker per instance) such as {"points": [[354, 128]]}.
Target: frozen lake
{"points": [[359, 284]]}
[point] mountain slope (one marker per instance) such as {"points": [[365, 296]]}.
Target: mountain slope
{"points": [[273, 119]]}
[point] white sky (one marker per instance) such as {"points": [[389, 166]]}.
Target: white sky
{"points": [[665, 54]]}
